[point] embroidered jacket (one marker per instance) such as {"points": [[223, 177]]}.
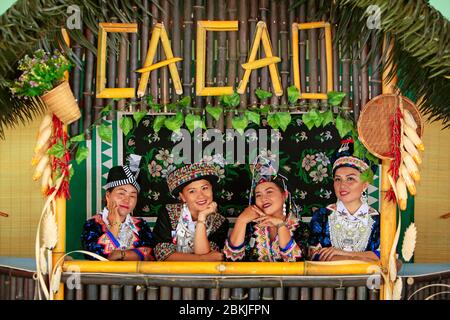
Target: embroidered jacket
{"points": [[332, 228], [97, 238], [166, 226], [257, 245]]}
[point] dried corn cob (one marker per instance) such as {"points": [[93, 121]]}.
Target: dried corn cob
{"points": [[46, 177], [46, 122], [408, 180], [411, 166], [411, 149], [40, 167], [412, 134], [43, 138], [409, 119], [402, 193]]}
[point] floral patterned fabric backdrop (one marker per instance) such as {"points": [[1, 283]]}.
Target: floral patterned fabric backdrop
{"points": [[305, 155]]}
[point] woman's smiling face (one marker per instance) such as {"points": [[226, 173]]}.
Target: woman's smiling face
{"points": [[269, 198], [197, 195], [125, 197], [348, 186]]}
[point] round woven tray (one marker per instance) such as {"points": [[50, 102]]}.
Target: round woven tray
{"points": [[374, 128]]}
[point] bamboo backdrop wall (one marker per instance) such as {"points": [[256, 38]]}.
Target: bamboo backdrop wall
{"points": [[433, 198], [20, 197]]}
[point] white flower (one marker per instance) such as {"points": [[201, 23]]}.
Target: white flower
{"points": [[269, 155], [207, 159], [327, 194], [155, 195], [167, 171], [320, 174], [228, 195], [146, 123], [308, 162], [324, 136], [252, 136], [276, 136], [229, 136], [299, 122], [206, 137], [146, 209], [219, 159], [155, 137], [287, 168], [322, 158], [220, 172], [176, 137], [303, 136], [165, 156], [303, 194]]}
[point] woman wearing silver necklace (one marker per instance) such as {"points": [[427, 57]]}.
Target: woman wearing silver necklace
{"points": [[191, 230], [269, 229], [348, 229]]}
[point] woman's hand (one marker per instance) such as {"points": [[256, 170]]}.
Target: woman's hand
{"points": [[269, 221], [115, 255], [328, 253], [211, 208], [113, 213], [249, 214], [212, 256]]}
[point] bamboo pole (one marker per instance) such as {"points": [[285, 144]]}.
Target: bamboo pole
{"points": [[284, 50], [122, 69], [313, 51], [388, 210], [76, 81], [221, 59], [233, 56], [253, 19], [376, 66], [364, 76], [144, 40], [273, 27], [112, 63], [133, 60], [199, 11], [323, 64], [225, 268], [60, 212], [164, 76], [264, 72], [187, 47], [87, 92], [292, 18], [243, 47], [302, 50], [176, 39], [209, 81], [355, 82], [154, 76]]}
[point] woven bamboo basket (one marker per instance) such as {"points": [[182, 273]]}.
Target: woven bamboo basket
{"points": [[374, 128], [61, 101]]}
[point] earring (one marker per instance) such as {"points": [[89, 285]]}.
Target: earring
{"points": [[364, 196], [284, 209]]}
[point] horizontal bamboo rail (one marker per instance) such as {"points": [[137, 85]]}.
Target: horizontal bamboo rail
{"points": [[223, 268]]}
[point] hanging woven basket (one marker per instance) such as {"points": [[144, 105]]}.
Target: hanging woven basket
{"points": [[61, 101]]}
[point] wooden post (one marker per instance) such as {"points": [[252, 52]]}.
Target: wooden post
{"points": [[388, 210]]}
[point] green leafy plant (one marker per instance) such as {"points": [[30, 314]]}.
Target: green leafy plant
{"points": [[40, 73]]}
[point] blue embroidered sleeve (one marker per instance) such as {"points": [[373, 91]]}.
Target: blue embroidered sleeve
{"points": [[146, 243], [92, 231], [319, 228], [374, 240]]}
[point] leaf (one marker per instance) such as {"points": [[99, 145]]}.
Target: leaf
{"points": [[263, 94], [193, 122], [106, 110], [78, 138], [240, 123], [126, 124], [409, 242], [174, 123], [272, 120], [215, 112], [71, 172], [253, 117], [82, 154], [264, 110], [293, 94], [284, 118], [343, 125], [311, 118], [158, 123], [367, 176], [327, 117], [105, 132], [138, 115], [335, 98], [57, 150], [232, 100], [185, 102]]}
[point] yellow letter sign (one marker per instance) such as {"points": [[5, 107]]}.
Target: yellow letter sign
{"points": [[159, 32], [270, 60], [101, 91], [202, 27]]}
